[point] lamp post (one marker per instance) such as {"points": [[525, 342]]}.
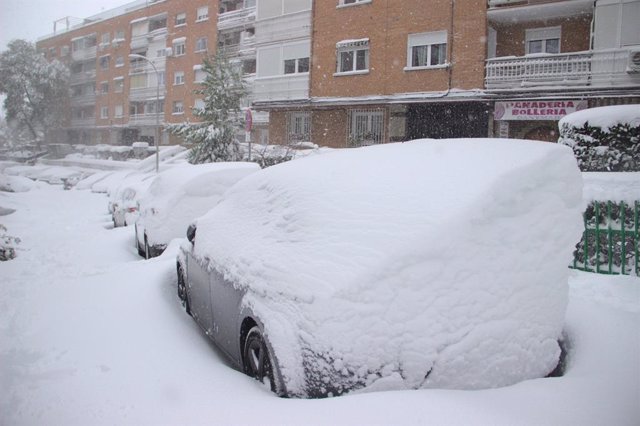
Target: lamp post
{"points": [[158, 133]]}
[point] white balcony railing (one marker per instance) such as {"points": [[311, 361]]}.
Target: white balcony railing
{"points": [[83, 122], [236, 18], [146, 93], [598, 68], [83, 77], [84, 54], [281, 87], [146, 119], [84, 99]]}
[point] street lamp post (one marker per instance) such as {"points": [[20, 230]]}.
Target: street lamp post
{"points": [[158, 132]]}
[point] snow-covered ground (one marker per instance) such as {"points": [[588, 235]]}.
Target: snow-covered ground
{"points": [[92, 334]]}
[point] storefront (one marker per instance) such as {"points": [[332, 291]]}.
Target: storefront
{"points": [[536, 120]]}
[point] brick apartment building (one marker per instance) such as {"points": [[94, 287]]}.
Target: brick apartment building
{"points": [[113, 96], [355, 72], [388, 70]]}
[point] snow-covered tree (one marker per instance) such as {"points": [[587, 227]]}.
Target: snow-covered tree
{"points": [[34, 88], [214, 137]]}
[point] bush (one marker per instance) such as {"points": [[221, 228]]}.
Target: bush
{"points": [[614, 148], [7, 245]]}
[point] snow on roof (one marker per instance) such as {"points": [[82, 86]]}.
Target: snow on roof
{"points": [[448, 249], [604, 117], [533, 12], [141, 19]]}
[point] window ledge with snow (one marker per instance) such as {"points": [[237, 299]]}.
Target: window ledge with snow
{"points": [[348, 73], [428, 67], [357, 3]]}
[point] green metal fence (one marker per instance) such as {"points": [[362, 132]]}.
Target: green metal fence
{"points": [[611, 239]]}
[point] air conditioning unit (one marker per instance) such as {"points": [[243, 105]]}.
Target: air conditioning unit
{"points": [[168, 51], [633, 64]]}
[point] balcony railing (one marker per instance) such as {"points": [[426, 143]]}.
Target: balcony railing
{"points": [[84, 54], [84, 99], [83, 77], [598, 68], [146, 93], [236, 18], [282, 87], [83, 122], [145, 119]]}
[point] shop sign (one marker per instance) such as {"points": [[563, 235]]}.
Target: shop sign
{"points": [[536, 110]]}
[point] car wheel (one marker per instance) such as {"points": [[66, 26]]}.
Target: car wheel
{"points": [[147, 253], [256, 357], [182, 291]]}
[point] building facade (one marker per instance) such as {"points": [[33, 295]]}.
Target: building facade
{"points": [[384, 70], [117, 97], [346, 73]]}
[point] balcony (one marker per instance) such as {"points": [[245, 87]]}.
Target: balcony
{"points": [[281, 87], [84, 99], [83, 77], [146, 119], [146, 93], [84, 54], [236, 18], [589, 69], [83, 122]]}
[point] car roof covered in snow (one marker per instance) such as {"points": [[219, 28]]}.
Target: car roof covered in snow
{"points": [[323, 223]]}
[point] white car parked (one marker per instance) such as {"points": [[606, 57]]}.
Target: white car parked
{"points": [[179, 195]]}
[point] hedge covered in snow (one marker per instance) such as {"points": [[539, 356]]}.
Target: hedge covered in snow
{"points": [[604, 139]]}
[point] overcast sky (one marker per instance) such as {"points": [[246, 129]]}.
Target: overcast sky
{"points": [[30, 19]]}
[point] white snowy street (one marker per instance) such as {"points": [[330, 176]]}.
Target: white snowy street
{"points": [[92, 334]]}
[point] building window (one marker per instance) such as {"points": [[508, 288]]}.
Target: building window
{"points": [[199, 75], [118, 85], [353, 56], [178, 107], [296, 66], [118, 111], [427, 49], [105, 39], [157, 23], [249, 66], [181, 19], [119, 61], [161, 78], [178, 77], [366, 127], [542, 40], [202, 14], [104, 62], [104, 112], [199, 105], [119, 36], [201, 44], [64, 51], [104, 87], [178, 47], [298, 127], [138, 81]]}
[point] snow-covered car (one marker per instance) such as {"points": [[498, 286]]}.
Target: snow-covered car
{"points": [[177, 196], [425, 264], [123, 201]]}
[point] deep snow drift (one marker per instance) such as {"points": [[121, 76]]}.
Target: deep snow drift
{"points": [[433, 264], [91, 334]]}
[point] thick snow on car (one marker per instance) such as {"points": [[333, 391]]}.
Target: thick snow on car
{"points": [[431, 263], [177, 196]]}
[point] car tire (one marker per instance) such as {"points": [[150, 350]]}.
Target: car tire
{"points": [[256, 358], [182, 291]]}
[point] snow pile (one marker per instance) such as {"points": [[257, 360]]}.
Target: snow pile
{"points": [[179, 195], [611, 186], [603, 117], [424, 264], [15, 183]]}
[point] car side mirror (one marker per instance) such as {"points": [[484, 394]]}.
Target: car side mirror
{"points": [[191, 232]]}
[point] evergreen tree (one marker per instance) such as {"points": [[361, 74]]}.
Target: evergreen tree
{"points": [[214, 137], [35, 90]]}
